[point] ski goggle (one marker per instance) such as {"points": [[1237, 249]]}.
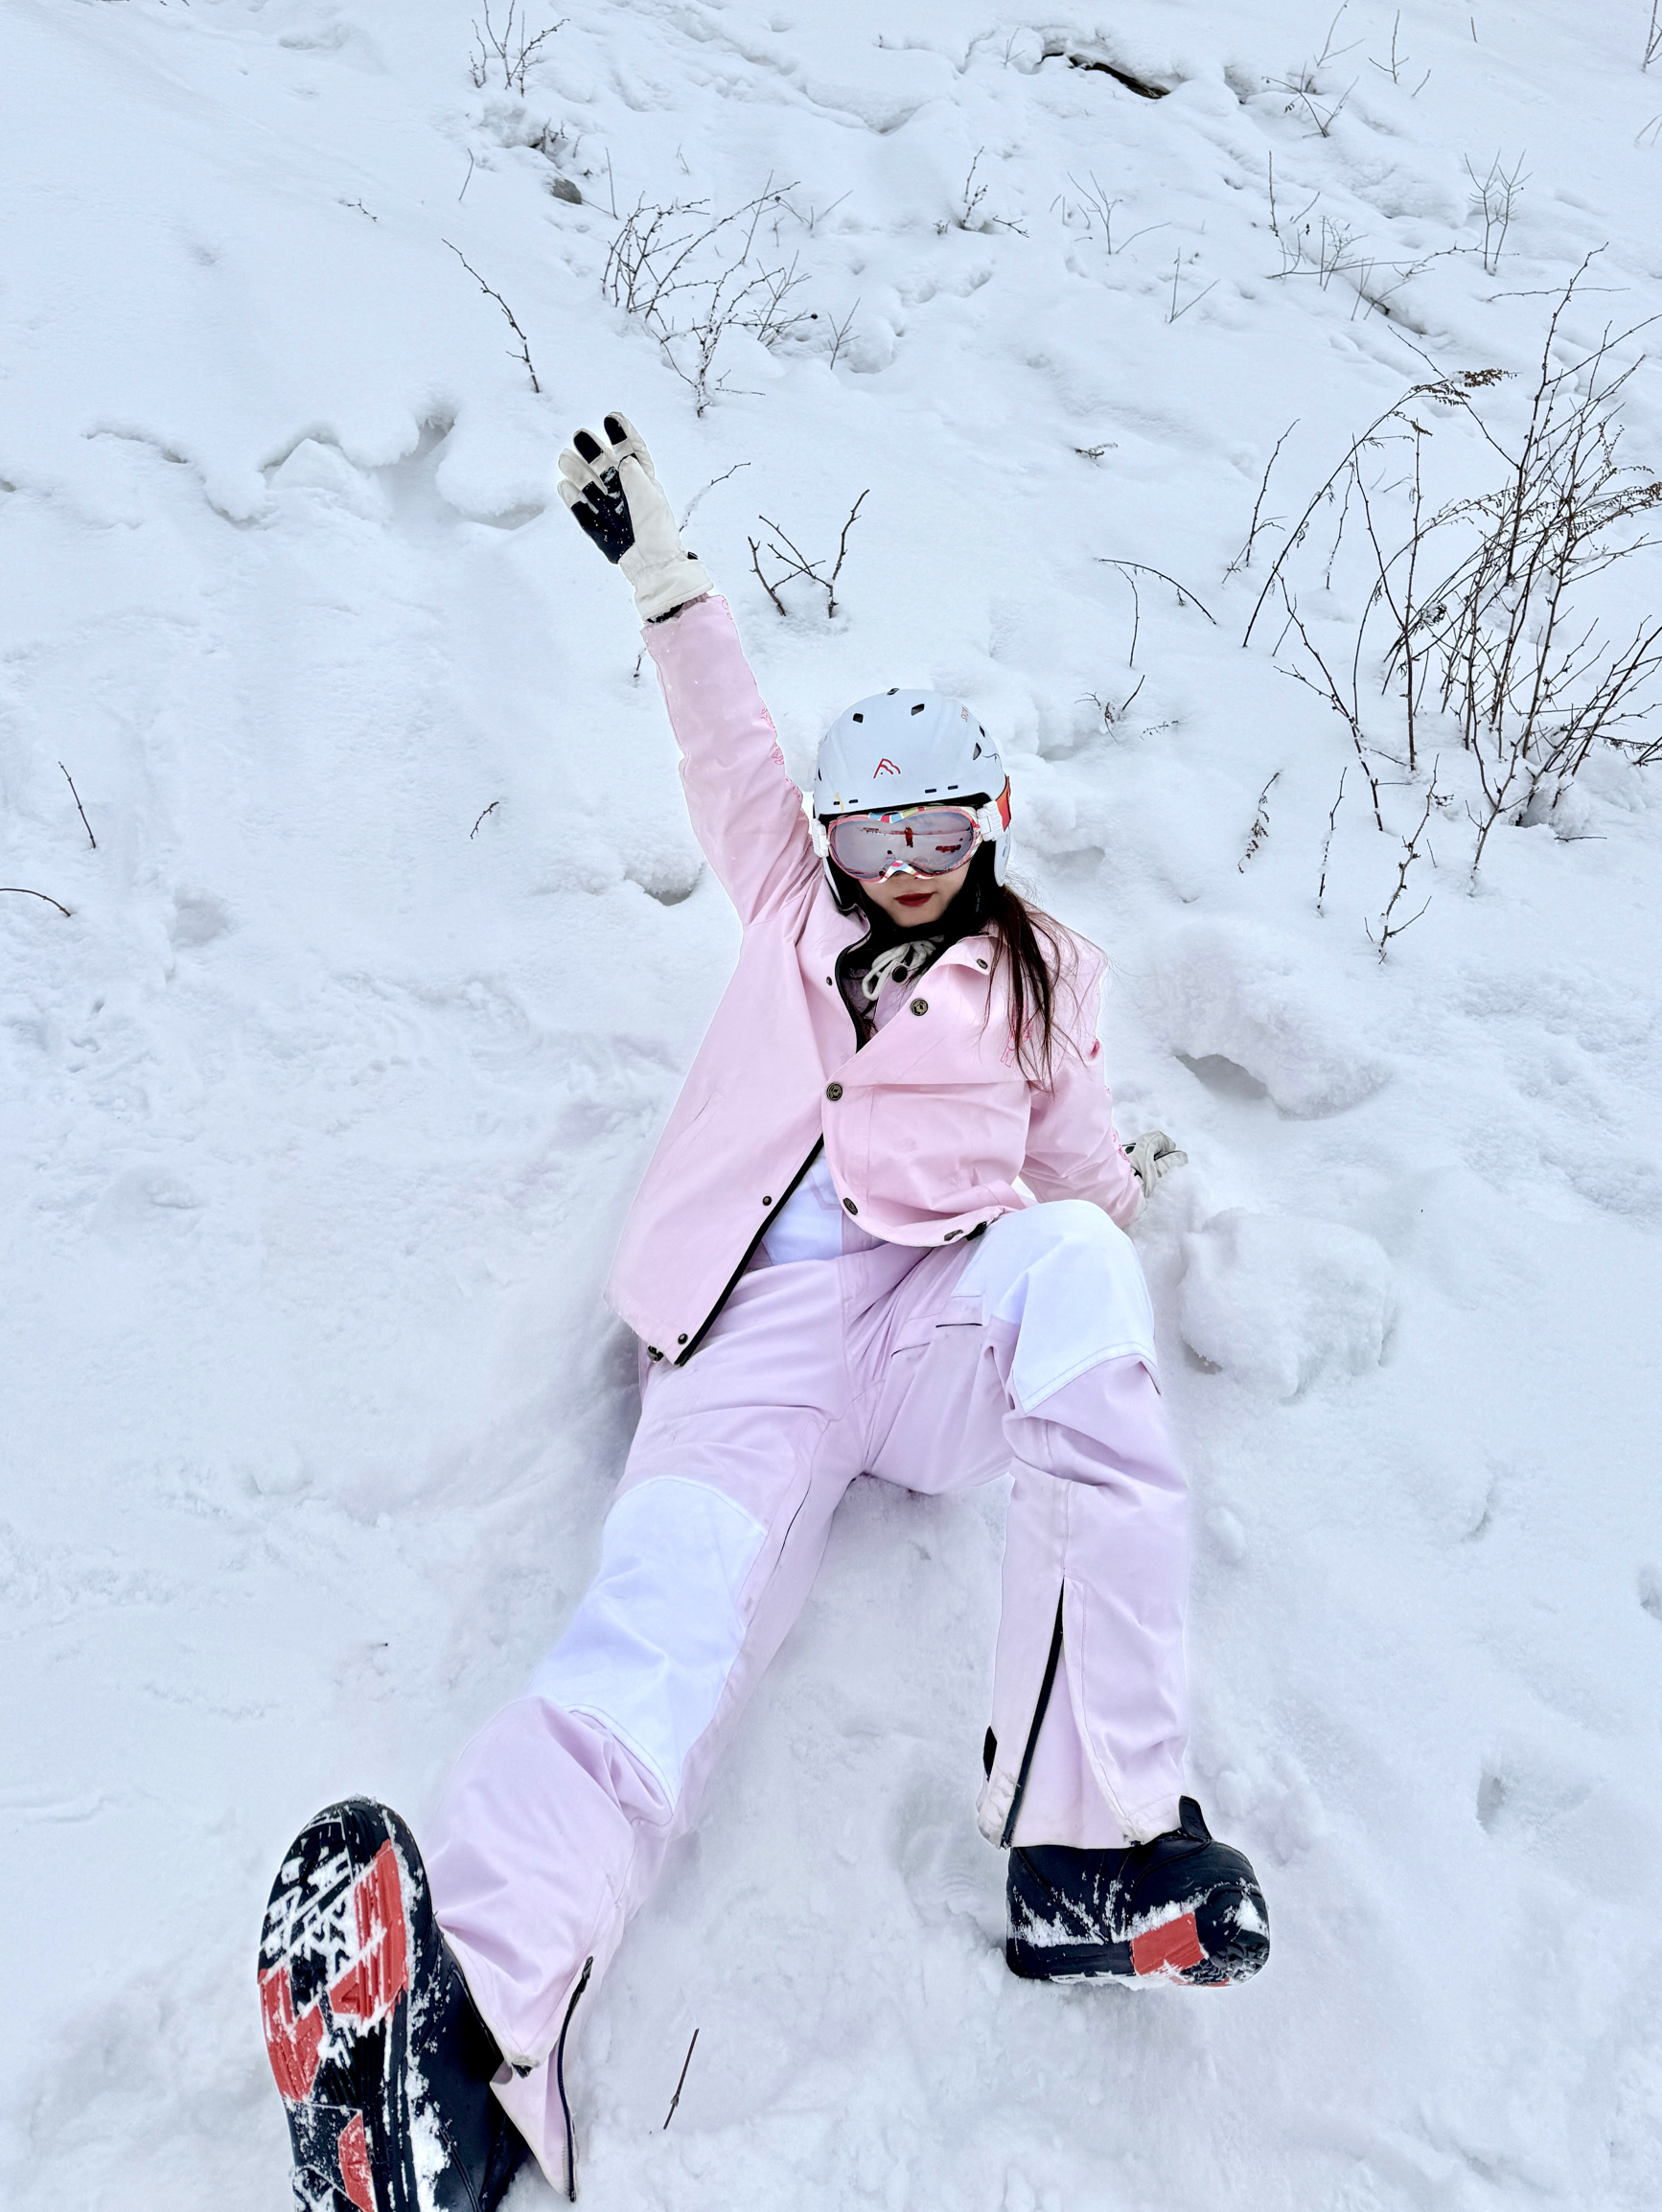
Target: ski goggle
{"points": [[921, 840]]}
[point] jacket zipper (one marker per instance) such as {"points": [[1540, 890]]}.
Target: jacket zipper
{"points": [[750, 1251], [560, 2081]]}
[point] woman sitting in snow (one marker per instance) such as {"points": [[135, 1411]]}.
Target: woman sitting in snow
{"points": [[832, 1271]]}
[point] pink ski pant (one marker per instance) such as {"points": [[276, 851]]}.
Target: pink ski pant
{"points": [[1029, 1350]]}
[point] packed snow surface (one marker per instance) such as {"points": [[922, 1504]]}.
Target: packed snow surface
{"points": [[321, 1108]]}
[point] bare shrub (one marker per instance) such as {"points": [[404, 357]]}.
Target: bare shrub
{"points": [[512, 50], [1308, 92], [1495, 197], [1654, 36], [1492, 640], [1400, 62], [793, 563], [1096, 207], [969, 216], [692, 276]]}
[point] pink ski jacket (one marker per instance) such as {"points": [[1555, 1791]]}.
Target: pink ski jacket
{"points": [[925, 1128]]}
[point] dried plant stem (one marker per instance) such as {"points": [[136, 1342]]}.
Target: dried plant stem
{"points": [[1244, 557], [681, 2083], [79, 808], [1411, 852], [1260, 823], [797, 562], [20, 891], [490, 292], [1328, 841]]}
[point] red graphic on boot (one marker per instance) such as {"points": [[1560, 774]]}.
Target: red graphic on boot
{"points": [[381, 1972], [1171, 1948], [885, 767], [353, 2155], [291, 2045]]}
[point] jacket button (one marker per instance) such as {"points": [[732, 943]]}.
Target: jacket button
{"points": [[767, 1202], [682, 1339], [833, 1089], [920, 1006], [950, 1234], [980, 962], [653, 1352], [852, 1208]]}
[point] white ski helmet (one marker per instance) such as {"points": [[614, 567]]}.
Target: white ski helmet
{"points": [[905, 748]]}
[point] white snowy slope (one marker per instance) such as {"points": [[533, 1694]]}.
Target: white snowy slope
{"points": [[319, 1112]]}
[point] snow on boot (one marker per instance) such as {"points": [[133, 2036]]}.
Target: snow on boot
{"points": [[1182, 1908], [383, 2061]]}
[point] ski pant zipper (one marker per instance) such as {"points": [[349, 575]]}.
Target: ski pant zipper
{"points": [[1045, 1688], [560, 2081]]}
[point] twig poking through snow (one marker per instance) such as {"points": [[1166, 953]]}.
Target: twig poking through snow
{"points": [[489, 292], [1410, 853], [681, 2083], [79, 808], [1175, 313], [19, 891], [1184, 593], [1260, 823], [1328, 841], [491, 809], [1495, 197], [1244, 557], [514, 61], [797, 564], [692, 503]]}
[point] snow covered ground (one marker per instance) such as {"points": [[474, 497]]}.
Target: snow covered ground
{"points": [[320, 1111]]}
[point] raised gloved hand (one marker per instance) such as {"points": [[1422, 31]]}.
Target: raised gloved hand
{"points": [[617, 501], [1153, 1155]]}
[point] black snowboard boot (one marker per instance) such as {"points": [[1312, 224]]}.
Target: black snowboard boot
{"points": [[383, 2063], [1182, 1908]]}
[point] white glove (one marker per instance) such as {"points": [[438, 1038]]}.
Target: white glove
{"points": [[617, 499], [1153, 1155]]}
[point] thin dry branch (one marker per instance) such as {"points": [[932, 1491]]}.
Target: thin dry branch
{"points": [[1260, 823], [20, 891], [1244, 557], [681, 2083], [490, 292], [515, 48], [79, 808], [1411, 853], [784, 549], [1328, 841]]}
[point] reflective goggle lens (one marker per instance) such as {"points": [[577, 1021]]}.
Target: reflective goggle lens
{"points": [[931, 841]]}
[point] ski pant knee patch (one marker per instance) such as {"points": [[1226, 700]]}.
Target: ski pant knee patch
{"points": [[650, 1649]]}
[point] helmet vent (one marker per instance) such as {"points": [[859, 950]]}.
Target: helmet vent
{"points": [[861, 718], [918, 708], [976, 755], [892, 689]]}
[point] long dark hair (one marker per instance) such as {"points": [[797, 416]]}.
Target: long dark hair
{"points": [[1034, 955]]}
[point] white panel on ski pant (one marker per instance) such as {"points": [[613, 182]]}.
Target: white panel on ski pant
{"points": [[650, 1649], [1070, 1281]]}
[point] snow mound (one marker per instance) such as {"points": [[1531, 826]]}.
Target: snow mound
{"points": [[1280, 1301], [1242, 999]]}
